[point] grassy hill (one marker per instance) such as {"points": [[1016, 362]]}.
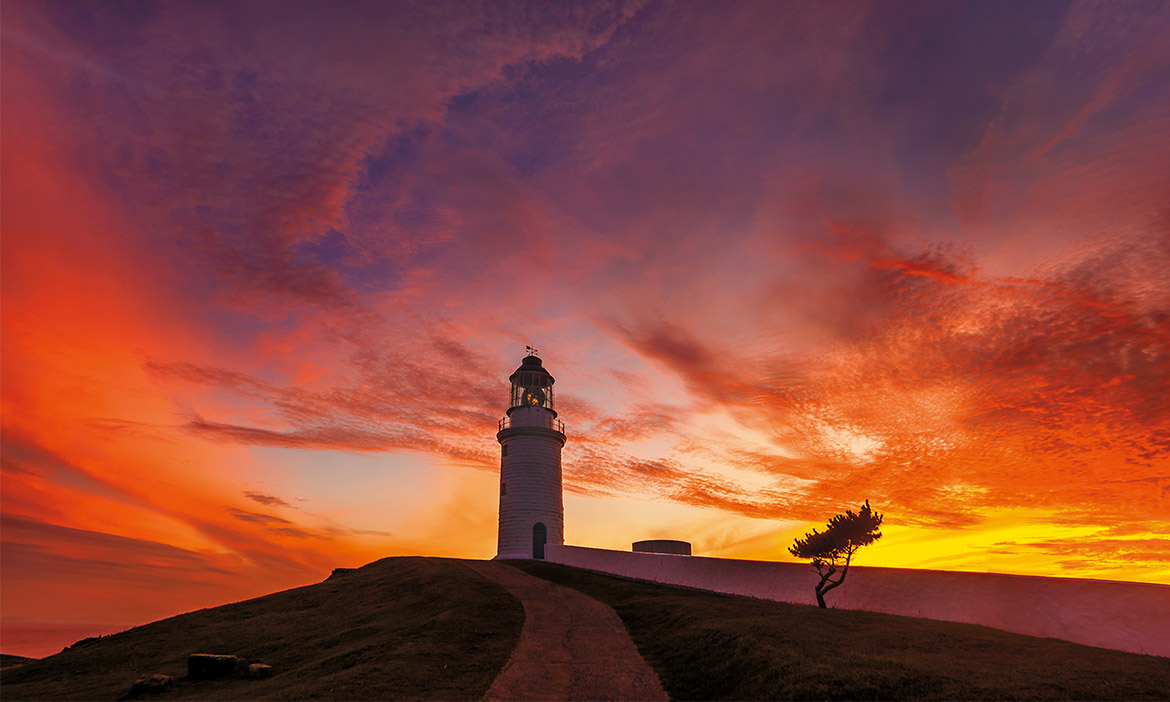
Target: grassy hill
{"points": [[7, 660], [399, 628], [721, 647], [427, 628]]}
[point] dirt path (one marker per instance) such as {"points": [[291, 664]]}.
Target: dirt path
{"points": [[572, 647]]}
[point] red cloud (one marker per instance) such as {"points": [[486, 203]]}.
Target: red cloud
{"points": [[994, 394]]}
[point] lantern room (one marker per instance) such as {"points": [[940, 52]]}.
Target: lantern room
{"points": [[532, 386]]}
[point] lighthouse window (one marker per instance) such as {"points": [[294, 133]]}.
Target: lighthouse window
{"points": [[503, 488], [504, 451]]}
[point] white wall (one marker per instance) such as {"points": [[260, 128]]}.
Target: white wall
{"points": [[1125, 616]]}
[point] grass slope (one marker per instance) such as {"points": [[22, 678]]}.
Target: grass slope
{"points": [[707, 646], [399, 628], [7, 659]]}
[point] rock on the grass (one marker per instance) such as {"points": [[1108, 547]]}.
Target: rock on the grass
{"points": [[338, 572], [148, 684], [256, 671], [204, 666]]}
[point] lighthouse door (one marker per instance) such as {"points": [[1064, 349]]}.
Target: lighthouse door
{"points": [[539, 538]]}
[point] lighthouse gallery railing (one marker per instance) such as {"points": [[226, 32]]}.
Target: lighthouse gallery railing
{"points": [[549, 423]]}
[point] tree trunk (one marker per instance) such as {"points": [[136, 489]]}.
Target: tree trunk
{"points": [[821, 588]]}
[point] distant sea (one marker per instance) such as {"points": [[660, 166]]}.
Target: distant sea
{"points": [[40, 639]]}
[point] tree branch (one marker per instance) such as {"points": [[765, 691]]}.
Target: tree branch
{"points": [[844, 571]]}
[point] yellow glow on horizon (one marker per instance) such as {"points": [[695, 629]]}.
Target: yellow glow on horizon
{"points": [[1009, 541]]}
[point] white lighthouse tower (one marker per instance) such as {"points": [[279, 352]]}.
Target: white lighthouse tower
{"points": [[532, 513]]}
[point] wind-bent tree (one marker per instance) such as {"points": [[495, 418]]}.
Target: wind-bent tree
{"points": [[831, 550]]}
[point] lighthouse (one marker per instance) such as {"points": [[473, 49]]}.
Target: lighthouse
{"points": [[531, 437]]}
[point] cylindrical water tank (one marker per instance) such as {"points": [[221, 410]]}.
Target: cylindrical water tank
{"points": [[677, 548]]}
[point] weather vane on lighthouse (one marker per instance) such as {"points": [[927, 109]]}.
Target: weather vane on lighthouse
{"points": [[532, 351]]}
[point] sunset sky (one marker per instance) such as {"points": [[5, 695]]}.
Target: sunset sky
{"points": [[266, 268]]}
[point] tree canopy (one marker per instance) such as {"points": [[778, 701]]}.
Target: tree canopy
{"points": [[832, 550]]}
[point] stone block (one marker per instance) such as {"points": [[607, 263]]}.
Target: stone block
{"points": [[205, 666], [150, 684]]}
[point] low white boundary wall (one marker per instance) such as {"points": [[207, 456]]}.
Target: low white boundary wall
{"points": [[1125, 616]]}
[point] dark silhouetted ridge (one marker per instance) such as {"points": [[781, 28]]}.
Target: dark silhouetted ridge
{"points": [[398, 628]]}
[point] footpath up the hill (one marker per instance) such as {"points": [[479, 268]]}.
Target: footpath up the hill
{"points": [[572, 647]]}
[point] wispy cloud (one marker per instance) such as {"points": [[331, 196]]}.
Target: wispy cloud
{"points": [[29, 541], [267, 500]]}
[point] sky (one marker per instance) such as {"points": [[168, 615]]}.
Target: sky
{"points": [[266, 268]]}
